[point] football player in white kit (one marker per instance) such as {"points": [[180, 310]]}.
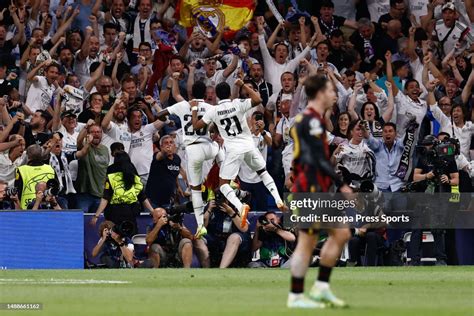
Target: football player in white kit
{"points": [[230, 119], [199, 148]]}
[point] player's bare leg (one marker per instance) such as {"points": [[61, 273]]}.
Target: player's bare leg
{"points": [[300, 261], [321, 292], [230, 195]]}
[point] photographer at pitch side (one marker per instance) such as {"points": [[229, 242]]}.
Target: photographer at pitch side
{"points": [[271, 240], [440, 175], [46, 198], [8, 197], [115, 250], [171, 243]]}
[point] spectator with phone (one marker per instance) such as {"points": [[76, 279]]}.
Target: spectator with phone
{"points": [[145, 58]]}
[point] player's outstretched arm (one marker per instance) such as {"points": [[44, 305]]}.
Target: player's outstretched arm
{"points": [[162, 115], [254, 95], [197, 123]]}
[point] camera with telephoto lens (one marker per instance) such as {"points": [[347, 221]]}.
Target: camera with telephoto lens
{"points": [[176, 212], [440, 154], [219, 198], [263, 220], [123, 229], [53, 188], [370, 191]]}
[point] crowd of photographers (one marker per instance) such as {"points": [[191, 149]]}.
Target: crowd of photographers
{"points": [[82, 85]]}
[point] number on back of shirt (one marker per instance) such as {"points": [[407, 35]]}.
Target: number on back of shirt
{"points": [[188, 128], [232, 126]]}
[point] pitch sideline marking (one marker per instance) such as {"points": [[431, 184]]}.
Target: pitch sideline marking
{"points": [[60, 281]]}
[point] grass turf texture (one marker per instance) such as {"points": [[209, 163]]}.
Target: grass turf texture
{"points": [[369, 291]]}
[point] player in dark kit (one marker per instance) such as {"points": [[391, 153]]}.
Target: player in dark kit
{"points": [[314, 173]]}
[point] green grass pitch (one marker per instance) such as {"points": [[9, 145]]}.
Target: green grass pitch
{"points": [[369, 291]]}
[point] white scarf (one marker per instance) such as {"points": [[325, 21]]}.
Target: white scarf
{"points": [[136, 33], [54, 162]]}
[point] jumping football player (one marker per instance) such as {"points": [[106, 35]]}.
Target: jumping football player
{"points": [[229, 117], [199, 148]]}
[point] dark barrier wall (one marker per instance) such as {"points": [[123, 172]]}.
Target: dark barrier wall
{"points": [[91, 234], [59, 239], [41, 240]]}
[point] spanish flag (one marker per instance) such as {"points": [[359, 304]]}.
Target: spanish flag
{"points": [[210, 15]]}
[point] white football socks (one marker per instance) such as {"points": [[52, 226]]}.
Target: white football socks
{"points": [[229, 194], [270, 185], [198, 206]]}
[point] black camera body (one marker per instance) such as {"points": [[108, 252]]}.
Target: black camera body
{"points": [[122, 229], [53, 188], [11, 191], [446, 148], [440, 154], [263, 220], [176, 212]]}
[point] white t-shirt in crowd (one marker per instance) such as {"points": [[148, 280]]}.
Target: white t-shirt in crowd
{"points": [[213, 81], [272, 102], [377, 8], [82, 67], [417, 71], [283, 128], [274, 70], [8, 167], [406, 109], [118, 132], [194, 55], [40, 94], [183, 111], [141, 148], [460, 31], [354, 158], [418, 8], [70, 145], [229, 117], [70, 140]]}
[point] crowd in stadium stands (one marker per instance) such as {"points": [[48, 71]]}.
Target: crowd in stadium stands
{"points": [[83, 83]]}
